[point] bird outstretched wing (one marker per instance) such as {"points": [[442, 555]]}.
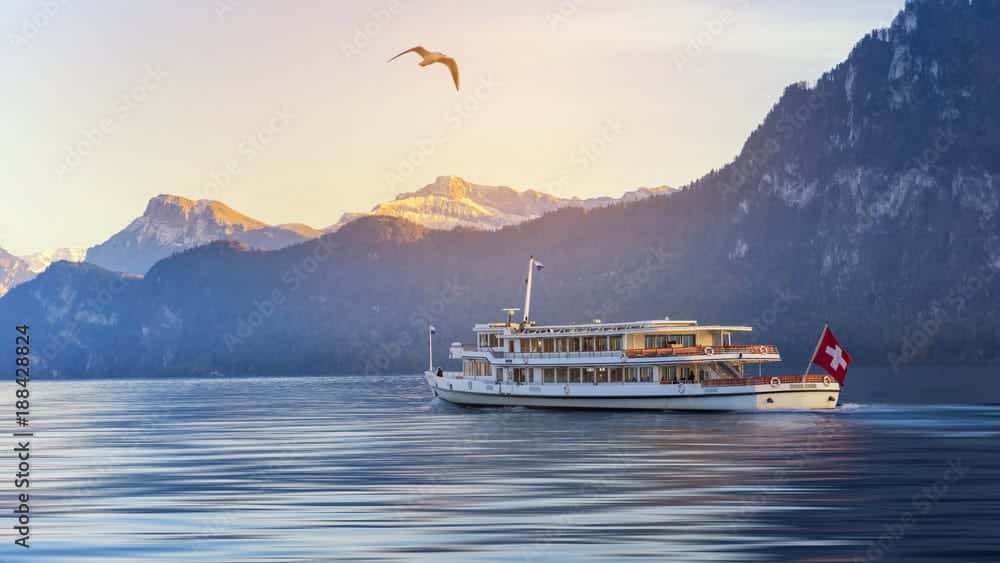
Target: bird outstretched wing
{"points": [[453, 67], [418, 50]]}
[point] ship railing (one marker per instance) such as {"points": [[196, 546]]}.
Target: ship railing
{"points": [[562, 355], [473, 348], [766, 380], [700, 350]]}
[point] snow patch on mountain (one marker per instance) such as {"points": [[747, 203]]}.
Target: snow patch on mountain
{"points": [[739, 251], [13, 271], [790, 186], [451, 202], [39, 261], [95, 318], [976, 190]]}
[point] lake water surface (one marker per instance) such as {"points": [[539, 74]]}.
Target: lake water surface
{"points": [[354, 468]]}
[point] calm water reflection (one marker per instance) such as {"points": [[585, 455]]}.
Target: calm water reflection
{"points": [[350, 468]]}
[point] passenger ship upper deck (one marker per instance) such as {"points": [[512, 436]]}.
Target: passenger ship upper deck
{"points": [[659, 342]]}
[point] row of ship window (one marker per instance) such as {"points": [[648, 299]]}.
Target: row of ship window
{"points": [[596, 375], [583, 343], [555, 345]]}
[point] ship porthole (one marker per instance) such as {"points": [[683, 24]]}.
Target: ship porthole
{"points": [[770, 400]]}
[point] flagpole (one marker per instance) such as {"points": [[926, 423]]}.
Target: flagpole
{"points": [[818, 342]]}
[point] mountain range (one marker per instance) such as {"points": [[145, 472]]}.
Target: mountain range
{"points": [[868, 200], [451, 202], [173, 223]]}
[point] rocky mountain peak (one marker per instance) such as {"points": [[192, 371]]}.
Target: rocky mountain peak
{"points": [[172, 223], [451, 187], [166, 207]]}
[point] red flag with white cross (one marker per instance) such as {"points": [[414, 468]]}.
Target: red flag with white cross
{"points": [[831, 356]]}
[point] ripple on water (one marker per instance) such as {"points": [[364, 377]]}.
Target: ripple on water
{"points": [[319, 469]]}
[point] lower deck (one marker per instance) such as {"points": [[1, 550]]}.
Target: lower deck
{"points": [[774, 393], [609, 373]]}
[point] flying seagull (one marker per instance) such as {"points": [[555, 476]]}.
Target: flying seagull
{"points": [[431, 58]]}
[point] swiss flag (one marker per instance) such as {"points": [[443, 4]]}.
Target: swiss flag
{"points": [[831, 357]]}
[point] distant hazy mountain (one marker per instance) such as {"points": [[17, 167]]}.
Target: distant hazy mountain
{"points": [[39, 261], [870, 200], [172, 223], [452, 202], [13, 271]]}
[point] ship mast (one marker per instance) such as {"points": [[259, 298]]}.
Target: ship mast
{"points": [[527, 291]]}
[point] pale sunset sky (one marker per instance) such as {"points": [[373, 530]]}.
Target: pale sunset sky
{"points": [[288, 112]]}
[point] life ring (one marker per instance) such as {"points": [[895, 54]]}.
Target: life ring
{"points": [[775, 382], [566, 389], [827, 380], [709, 351], [680, 388]]}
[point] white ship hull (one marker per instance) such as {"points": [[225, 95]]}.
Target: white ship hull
{"points": [[779, 395]]}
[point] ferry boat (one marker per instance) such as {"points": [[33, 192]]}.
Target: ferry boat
{"points": [[657, 364]]}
